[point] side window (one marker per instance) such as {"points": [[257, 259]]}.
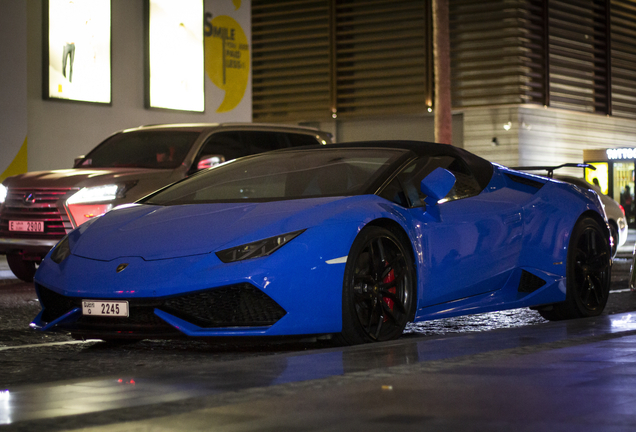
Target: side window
{"points": [[394, 193], [261, 141], [465, 186], [227, 144], [297, 140]]}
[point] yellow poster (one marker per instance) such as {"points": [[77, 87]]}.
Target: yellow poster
{"points": [[227, 58], [599, 176]]}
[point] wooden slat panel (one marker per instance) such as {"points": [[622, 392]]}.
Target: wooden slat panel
{"points": [[380, 56], [496, 50], [377, 43], [578, 61], [290, 57], [623, 58]]}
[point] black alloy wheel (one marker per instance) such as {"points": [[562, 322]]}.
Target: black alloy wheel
{"points": [[587, 273], [379, 287]]}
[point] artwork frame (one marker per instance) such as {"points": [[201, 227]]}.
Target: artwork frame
{"points": [[174, 51], [77, 50]]}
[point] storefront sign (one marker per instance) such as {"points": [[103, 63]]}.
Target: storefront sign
{"points": [[621, 153]]}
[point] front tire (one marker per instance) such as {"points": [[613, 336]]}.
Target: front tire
{"points": [[21, 268], [587, 273], [378, 288]]}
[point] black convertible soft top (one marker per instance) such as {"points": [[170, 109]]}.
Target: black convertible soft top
{"points": [[481, 168]]}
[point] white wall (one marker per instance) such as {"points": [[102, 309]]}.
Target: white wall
{"points": [[561, 136], [59, 130], [13, 85], [482, 125], [542, 136], [415, 128]]}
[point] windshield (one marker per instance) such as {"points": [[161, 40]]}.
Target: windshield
{"points": [[283, 175], [142, 149]]}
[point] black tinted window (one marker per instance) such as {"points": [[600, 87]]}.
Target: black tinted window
{"points": [[465, 185], [394, 193], [297, 140], [261, 141], [287, 175], [227, 144], [142, 149]]}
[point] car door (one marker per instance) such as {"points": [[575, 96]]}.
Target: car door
{"points": [[471, 242]]}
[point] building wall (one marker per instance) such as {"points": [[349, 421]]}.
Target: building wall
{"points": [[542, 136], [410, 128], [483, 125], [58, 131], [13, 88], [552, 136]]}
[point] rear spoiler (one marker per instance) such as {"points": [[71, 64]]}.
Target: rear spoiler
{"points": [[550, 169]]}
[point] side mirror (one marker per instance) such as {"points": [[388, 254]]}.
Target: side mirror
{"points": [[208, 161], [78, 160], [437, 185]]}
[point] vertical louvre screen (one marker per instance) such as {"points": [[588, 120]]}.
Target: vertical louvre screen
{"points": [[290, 58], [496, 48], [624, 58], [359, 58], [578, 61], [353, 58], [381, 56]]}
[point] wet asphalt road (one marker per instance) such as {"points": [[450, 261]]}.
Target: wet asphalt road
{"points": [[30, 357]]}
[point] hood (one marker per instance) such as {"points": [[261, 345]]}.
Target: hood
{"points": [[77, 177], [162, 232]]}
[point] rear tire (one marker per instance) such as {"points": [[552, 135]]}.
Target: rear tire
{"points": [[21, 268], [378, 288], [587, 274]]}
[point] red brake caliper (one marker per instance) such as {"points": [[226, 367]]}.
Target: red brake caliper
{"points": [[388, 279]]}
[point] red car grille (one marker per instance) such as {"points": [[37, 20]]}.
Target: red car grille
{"points": [[46, 205]]}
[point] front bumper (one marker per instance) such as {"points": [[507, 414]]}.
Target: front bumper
{"points": [[39, 247], [205, 313]]}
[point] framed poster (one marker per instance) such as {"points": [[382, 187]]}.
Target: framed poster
{"points": [[175, 54], [77, 50]]}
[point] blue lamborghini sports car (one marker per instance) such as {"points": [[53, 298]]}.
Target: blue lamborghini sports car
{"points": [[349, 241]]}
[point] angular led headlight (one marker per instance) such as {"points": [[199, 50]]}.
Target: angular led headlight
{"points": [[3, 193], [61, 251], [94, 194], [90, 202], [256, 249]]}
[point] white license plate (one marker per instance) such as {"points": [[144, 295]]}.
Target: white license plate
{"points": [[105, 308], [26, 226]]}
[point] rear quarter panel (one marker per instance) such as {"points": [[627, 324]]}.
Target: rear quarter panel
{"points": [[549, 218]]}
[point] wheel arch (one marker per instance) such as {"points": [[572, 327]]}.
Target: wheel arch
{"points": [[598, 218], [400, 232]]}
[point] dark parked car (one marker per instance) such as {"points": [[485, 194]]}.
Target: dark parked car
{"points": [[38, 208]]}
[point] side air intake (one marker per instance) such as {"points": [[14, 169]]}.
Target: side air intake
{"points": [[529, 282]]}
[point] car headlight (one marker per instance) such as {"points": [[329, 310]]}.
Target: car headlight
{"points": [[3, 193], [94, 194], [90, 202], [256, 249], [61, 251]]}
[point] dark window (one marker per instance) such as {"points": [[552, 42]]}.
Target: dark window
{"points": [[261, 141], [395, 193], [285, 175], [142, 149], [297, 140], [227, 144], [465, 185]]}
